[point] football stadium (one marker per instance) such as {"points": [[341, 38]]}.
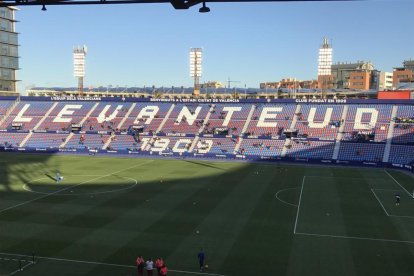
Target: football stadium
{"points": [[263, 187], [215, 138]]}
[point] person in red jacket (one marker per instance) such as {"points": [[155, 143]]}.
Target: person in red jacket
{"points": [[163, 271], [158, 264], [140, 265]]}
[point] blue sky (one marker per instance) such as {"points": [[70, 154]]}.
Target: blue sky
{"points": [[137, 45]]}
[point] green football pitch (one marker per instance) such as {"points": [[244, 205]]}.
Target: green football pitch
{"points": [[250, 219]]}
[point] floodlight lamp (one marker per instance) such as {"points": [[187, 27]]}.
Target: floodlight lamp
{"points": [[44, 8], [204, 9]]}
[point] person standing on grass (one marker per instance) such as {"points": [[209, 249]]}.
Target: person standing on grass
{"points": [[140, 265], [163, 270], [59, 178], [149, 266], [158, 264], [397, 199], [201, 256]]}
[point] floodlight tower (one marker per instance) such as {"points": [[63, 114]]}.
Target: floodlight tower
{"points": [[324, 65], [79, 54], [196, 58]]}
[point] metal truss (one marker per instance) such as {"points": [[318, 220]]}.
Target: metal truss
{"points": [[177, 4]]}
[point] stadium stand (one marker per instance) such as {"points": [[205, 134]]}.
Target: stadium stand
{"points": [[230, 117], [223, 145], [46, 140], [315, 125], [271, 120], [4, 106], [371, 152], [402, 154], [60, 120], [310, 149], [262, 147], [87, 141], [191, 119], [106, 116], [125, 142], [404, 125], [27, 113], [11, 139], [372, 120], [148, 115], [348, 132]]}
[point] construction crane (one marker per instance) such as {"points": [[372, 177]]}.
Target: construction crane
{"points": [[229, 82]]}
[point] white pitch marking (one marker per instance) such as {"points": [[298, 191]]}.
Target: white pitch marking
{"points": [[300, 199], [390, 190], [107, 264], [398, 183], [25, 187], [383, 208], [67, 188], [21, 269], [397, 216], [276, 195], [345, 177], [354, 238]]}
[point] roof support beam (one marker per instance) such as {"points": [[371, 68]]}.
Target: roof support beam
{"points": [[184, 4]]}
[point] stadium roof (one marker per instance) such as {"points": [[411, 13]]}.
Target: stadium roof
{"points": [[177, 4], [406, 86]]}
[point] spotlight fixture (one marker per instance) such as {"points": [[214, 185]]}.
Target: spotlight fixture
{"points": [[204, 9], [44, 8]]}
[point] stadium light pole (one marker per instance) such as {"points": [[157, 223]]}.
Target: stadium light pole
{"points": [[324, 65], [79, 54], [196, 58]]}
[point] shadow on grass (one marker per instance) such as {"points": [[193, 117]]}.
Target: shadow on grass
{"points": [[50, 177], [233, 207], [17, 167], [203, 164]]}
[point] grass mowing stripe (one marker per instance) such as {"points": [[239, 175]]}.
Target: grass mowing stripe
{"points": [[116, 228], [228, 219], [268, 228], [100, 225], [175, 225], [71, 187], [300, 199], [103, 264]]}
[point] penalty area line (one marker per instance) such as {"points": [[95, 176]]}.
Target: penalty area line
{"points": [[379, 201], [398, 183], [106, 264], [300, 199], [71, 187]]}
